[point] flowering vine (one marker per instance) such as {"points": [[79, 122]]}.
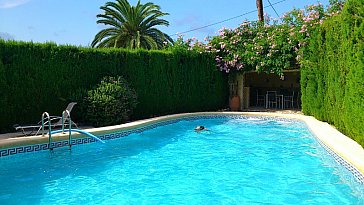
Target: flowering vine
{"points": [[271, 47]]}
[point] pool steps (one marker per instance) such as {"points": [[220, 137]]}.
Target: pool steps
{"points": [[65, 116]]}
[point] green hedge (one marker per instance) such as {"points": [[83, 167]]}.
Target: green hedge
{"points": [[332, 74], [43, 77]]}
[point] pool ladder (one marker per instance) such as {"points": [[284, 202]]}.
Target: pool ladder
{"points": [[65, 116]]}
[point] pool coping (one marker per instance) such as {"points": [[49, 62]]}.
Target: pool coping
{"points": [[335, 142]]}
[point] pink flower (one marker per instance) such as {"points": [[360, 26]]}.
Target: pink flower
{"points": [[240, 66], [222, 45], [303, 28]]}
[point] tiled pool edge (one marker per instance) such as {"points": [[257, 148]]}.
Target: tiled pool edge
{"points": [[115, 134], [357, 174], [154, 122]]}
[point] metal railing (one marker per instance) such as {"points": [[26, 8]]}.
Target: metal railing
{"points": [[64, 119], [49, 127], [65, 116]]}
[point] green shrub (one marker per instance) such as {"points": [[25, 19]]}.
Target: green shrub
{"points": [[111, 102], [332, 72], [3, 94], [44, 77]]}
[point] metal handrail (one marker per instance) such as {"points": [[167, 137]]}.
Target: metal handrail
{"points": [[65, 116], [68, 116], [50, 129]]}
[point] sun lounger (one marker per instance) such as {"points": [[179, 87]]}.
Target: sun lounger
{"points": [[56, 121]]}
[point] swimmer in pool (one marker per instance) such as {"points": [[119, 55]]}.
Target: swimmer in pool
{"points": [[200, 128]]}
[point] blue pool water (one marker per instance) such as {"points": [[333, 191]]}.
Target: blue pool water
{"points": [[239, 161]]}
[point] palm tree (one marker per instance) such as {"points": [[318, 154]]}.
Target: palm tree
{"points": [[131, 26]]}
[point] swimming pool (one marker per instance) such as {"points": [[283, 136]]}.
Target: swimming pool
{"points": [[247, 160]]}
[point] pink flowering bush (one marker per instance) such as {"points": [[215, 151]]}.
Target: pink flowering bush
{"points": [[191, 44], [253, 46], [271, 47]]}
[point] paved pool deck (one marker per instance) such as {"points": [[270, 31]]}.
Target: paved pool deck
{"points": [[342, 145]]}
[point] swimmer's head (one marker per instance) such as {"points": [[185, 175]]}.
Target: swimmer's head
{"points": [[198, 128]]}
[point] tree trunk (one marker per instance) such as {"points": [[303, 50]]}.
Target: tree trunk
{"points": [[260, 10]]}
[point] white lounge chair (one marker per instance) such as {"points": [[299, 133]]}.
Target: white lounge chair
{"points": [[56, 121]]}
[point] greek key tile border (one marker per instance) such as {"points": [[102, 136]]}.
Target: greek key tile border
{"points": [[357, 174], [39, 147]]}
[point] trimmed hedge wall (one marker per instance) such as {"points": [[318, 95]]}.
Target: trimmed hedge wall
{"points": [[332, 74], [41, 77]]}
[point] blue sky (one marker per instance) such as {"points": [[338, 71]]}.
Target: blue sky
{"points": [[73, 22]]}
